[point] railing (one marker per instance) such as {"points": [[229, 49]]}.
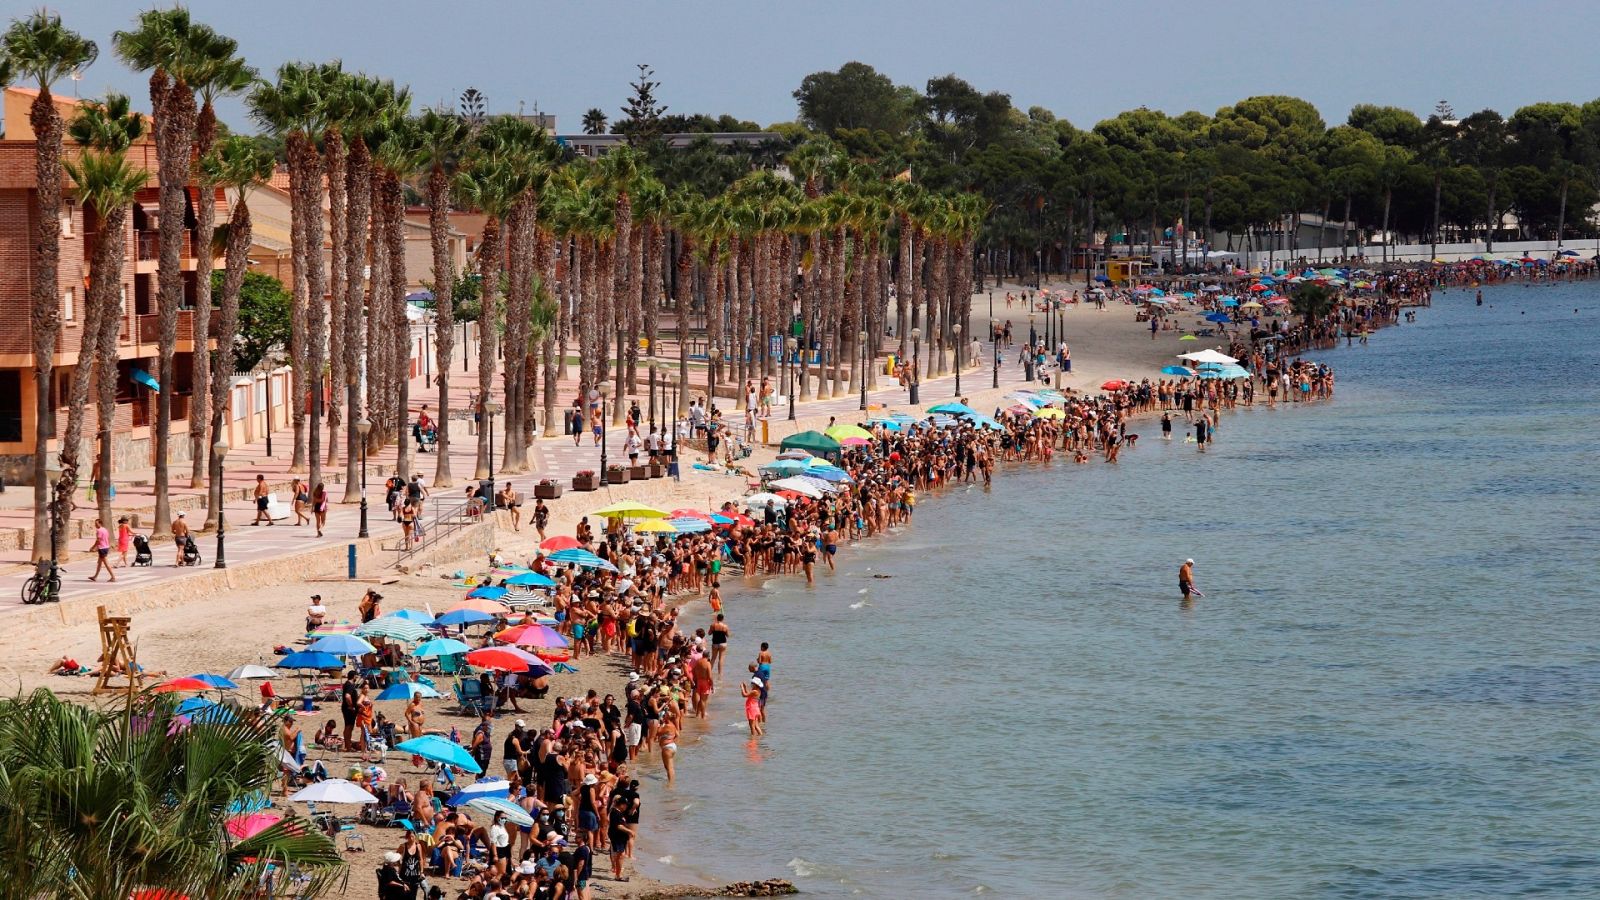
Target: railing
{"points": [[446, 521], [149, 245]]}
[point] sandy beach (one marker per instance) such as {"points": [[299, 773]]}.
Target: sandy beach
{"points": [[218, 633]]}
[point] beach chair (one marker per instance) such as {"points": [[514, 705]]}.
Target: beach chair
{"points": [[470, 698], [352, 838]]}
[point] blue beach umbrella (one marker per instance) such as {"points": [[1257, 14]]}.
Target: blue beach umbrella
{"points": [[953, 409], [441, 647], [1182, 371], [1229, 301], [342, 645], [216, 681], [581, 558], [530, 579], [784, 467], [406, 690], [411, 615], [688, 525], [487, 592], [309, 659], [206, 712], [718, 519], [463, 617], [487, 788], [1219, 317], [431, 746]]}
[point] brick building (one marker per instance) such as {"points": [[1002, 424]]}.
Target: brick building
{"points": [[136, 405]]}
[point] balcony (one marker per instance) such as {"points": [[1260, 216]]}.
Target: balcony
{"points": [[150, 328], [148, 246]]}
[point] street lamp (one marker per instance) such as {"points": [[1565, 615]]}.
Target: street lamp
{"points": [[916, 362], [362, 427], [650, 363], [220, 451], [604, 388], [994, 332], [490, 407], [52, 474], [861, 341], [957, 329], [791, 344]]}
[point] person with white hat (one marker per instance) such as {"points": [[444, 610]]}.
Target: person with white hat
{"points": [[1186, 580], [390, 885]]}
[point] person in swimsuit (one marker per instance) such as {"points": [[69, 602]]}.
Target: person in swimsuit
{"points": [[751, 692], [700, 671], [719, 642], [667, 736], [1186, 578]]}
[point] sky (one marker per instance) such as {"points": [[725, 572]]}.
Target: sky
{"points": [[1085, 61]]}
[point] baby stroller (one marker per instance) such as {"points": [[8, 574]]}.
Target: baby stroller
{"points": [[141, 551], [426, 437], [191, 551]]}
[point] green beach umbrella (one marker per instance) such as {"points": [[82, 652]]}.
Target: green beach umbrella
{"points": [[811, 441]]}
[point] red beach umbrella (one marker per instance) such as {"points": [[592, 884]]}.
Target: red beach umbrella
{"points": [[559, 542], [1115, 384], [505, 658], [181, 684]]}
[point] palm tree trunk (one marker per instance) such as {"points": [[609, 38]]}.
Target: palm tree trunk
{"points": [[342, 355], [205, 231], [301, 392], [555, 258], [394, 218], [350, 210], [444, 316], [303, 152], [174, 140], [237, 262], [104, 290], [489, 269], [45, 312]]}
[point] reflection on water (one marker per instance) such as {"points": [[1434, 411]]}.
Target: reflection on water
{"points": [[1388, 691]]}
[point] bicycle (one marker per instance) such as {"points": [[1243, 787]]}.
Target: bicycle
{"points": [[45, 585]]}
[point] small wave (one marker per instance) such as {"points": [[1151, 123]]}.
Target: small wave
{"points": [[863, 590], [801, 868], [665, 860], [858, 604]]}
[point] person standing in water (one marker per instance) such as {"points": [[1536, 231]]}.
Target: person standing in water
{"points": [[1186, 580]]}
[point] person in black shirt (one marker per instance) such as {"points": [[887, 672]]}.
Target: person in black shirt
{"points": [[350, 704]]}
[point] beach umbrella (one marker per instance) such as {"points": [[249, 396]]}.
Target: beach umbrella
{"points": [[953, 409], [405, 690], [411, 615], [692, 514], [480, 604], [504, 658], [581, 558], [533, 636], [1188, 337], [394, 629], [440, 647], [534, 579], [1229, 301], [342, 645], [217, 681], [251, 671], [176, 685], [1051, 413], [1251, 305], [1207, 355], [628, 509], [842, 433], [513, 813], [821, 484], [206, 712], [783, 467], [799, 486], [309, 659], [1258, 288], [435, 748], [688, 526], [482, 788], [338, 790], [463, 617], [720, 519], [1212, 289], [813, 442], [1115, 384], [759, 501], [559, 542], [794, 453], [827, 473], [890, 424], [1181, 371], [251, 824], [328, 628], [487, 592], [1219, 317]]}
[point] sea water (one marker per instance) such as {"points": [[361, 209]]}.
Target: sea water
{"points": [[1391, 688]]}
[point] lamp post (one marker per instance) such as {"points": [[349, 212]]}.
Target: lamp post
{"points": [[489, 409], [791, 343], [650, 363], [861, 341], [712, 355], [916, 362], [956, 328], [220, 451], [52, 474], [994, 332], [362, 427], [604, 389]]}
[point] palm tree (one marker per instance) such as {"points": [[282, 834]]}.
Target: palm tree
{"points": [[440, 140], [41, 48], [352, 104], [239, 163], [685, 211], [161, 44], [594, 121], [619, 171], [218, 72], [109, 803], [292, 108], [107, 184], [396, 158], [491, 183]]}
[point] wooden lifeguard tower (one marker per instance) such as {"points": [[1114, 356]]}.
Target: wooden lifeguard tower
{"points": [[117, 655]]}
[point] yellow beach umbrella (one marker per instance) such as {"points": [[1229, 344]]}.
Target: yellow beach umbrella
{"points": [[628, 509], [1188, 337], [654, 526], [841, 432], [1050, 412]]}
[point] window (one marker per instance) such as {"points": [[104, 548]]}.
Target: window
{"points": [[10, 405], [67, 311], [66, 219]]}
